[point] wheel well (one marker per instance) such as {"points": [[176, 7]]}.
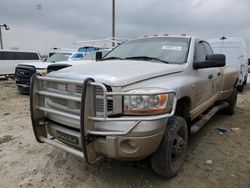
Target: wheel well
{"points": [[183, 108]]}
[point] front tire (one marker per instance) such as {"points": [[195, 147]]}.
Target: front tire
{"points": [[167, 161]]}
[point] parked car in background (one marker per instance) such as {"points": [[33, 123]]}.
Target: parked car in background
{"points": [[141, 100], [9, 59], [90, 57], [236, 55], [24, 71]]}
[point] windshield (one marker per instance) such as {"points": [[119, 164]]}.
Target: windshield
{"points": [[59, 57], [163, 49], [78, 56]]}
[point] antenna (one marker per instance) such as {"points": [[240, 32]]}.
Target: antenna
{"points": [[223, 38]]}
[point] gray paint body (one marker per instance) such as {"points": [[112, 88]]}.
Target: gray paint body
{"points": [[125, 75]]}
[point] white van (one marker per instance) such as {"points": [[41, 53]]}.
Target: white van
{"points": [[236, 55], [9, 59]]}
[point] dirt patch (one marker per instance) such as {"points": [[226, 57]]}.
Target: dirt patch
{"points": [[213, 159], [6, 138]]}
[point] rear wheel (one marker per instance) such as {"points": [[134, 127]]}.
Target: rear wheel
{"points": [[168, 159], [240, 88], [245, 82], [232, 100]]}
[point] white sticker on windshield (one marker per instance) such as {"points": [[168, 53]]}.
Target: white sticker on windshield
{"points": [[177, 48]]}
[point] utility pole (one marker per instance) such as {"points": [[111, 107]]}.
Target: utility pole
{"points": [[113, 21], [6, 28], [1, 41]]}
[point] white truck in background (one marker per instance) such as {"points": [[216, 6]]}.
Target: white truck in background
{"points": [[9, 59], [90, 57], [236, 55], [24, 71]]}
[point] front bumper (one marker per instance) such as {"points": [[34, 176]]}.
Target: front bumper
{"points": [[96, 137], [22, 88], [129, 146]]}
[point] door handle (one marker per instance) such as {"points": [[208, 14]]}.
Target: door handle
{"points": [[210, 76]]}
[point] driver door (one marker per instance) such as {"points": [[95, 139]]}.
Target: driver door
{"points": [[205, 83]]}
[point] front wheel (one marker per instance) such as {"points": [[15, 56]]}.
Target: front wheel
{"points": [[168, 159]]}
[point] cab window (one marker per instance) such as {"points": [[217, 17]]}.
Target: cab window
{"points": [[208, 48], [200, 52]]}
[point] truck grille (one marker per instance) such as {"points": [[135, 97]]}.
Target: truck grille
{"points": [[23, 74], [99, 102], [65, 88], [73, 107]]}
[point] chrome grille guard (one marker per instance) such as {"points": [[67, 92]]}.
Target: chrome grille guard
{"points": [[87, 118]]}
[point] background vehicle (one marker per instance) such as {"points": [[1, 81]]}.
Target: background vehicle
{"points": [[90, 57], [9, 59], [142, 99], [236, 55], [24, 71]]}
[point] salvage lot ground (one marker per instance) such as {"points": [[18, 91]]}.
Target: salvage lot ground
{"points": [[25, 163]]}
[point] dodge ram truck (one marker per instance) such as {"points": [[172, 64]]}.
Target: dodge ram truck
{"points": [[143, 100]]}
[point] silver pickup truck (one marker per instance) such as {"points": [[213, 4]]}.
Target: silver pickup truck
{"points": [[141, 100]]}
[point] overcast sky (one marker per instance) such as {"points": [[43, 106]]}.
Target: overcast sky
{"points": [[58, 23]]}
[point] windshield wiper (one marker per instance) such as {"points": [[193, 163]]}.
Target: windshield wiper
{"points": [[147, 58], [112, 58]]}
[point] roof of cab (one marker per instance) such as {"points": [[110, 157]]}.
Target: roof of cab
{"points": [[164, 36]]}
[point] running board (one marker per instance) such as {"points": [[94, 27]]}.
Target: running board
{"points": [[198, 125]]}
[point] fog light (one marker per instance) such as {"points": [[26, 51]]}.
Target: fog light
{"points": [[133, 144], [129, 146]]}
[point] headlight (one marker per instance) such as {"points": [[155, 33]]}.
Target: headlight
{"points": [[148, 104], [43, 72]]}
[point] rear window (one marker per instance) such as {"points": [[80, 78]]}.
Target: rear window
{"points": [[19, 56]]}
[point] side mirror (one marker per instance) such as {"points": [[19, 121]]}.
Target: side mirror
{"points": [[98, 56], [44, 59], [212, 60], [248, 61]]}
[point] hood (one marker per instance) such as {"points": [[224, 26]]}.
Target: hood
{"points": [[38, 65], [74, 62], [117, 72]]}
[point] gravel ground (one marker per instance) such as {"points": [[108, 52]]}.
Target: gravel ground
{"points": [[213, 159]]}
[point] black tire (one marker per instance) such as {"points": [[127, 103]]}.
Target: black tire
{"points": [[230, 110], [245, 82], [240, 88], [167, 161]]}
